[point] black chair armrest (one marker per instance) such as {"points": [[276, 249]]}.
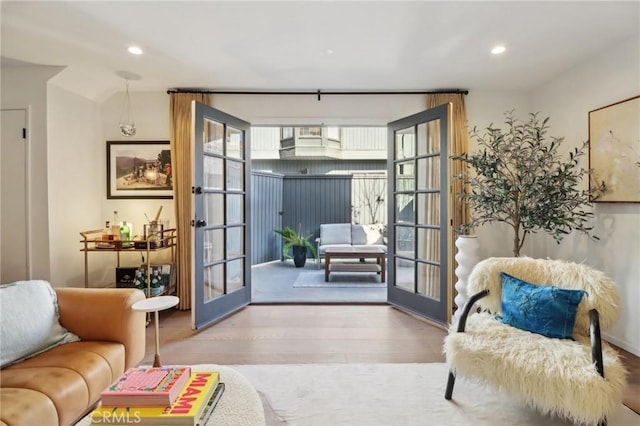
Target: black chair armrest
{"points": [[596, 341], [467, 307]]}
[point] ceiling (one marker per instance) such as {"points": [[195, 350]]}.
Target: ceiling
{"points": [[307, 45]]}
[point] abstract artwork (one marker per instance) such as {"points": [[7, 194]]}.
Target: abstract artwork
{"points": [[614, 150]]}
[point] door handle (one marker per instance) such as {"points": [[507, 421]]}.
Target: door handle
{"points": [[200, 223]]}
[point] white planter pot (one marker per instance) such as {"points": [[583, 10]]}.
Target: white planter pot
{"points": [[466, 257]]}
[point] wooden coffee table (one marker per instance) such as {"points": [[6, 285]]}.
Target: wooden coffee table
{"points": [[355, 253]]}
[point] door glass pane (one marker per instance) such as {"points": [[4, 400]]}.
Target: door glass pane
{"points": [[212, 169], [405, 176], [213, 283], [405, 276], [428, 207], [235, 143], [213, 136], [428, 244], [405, 241], [405, 208], [235, 239], [235, 175], [405, 141], [235, 209], [214, 209], [429, 137], [428, 280], [213, 245], [429, 173], [235, 275]]}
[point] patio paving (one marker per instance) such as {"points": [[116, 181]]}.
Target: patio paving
{"points": [[282, 282]]}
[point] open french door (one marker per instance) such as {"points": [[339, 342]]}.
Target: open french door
{"points": [[221, 235], [419, 231]]}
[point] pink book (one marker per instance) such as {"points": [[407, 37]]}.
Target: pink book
{"points": [[146, 387]]}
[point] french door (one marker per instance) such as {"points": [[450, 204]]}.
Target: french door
{"points": [[419, 231], [221, 235]]}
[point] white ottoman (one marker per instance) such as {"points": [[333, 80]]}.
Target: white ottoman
{"points": [[240, 404]]}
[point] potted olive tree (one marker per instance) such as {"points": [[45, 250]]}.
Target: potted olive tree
{"points": [[298, 243], [518, 177]]}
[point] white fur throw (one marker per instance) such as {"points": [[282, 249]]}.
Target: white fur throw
{"points": [[556, 376], [602, 291]]}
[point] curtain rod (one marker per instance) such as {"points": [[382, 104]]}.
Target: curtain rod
{"points": [[318, 92]]}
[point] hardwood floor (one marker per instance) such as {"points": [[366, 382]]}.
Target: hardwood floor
{"points": [[304, 334]]}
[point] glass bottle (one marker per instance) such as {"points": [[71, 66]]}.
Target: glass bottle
{"points": [[125, 231]]}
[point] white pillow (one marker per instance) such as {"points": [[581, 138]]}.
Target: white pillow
{"points": [[335, 233], [30, 322]]}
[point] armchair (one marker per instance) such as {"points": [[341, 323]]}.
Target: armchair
{"points": [[579, 378]]}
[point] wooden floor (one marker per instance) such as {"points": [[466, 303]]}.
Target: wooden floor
{"points": [[304, 334]]}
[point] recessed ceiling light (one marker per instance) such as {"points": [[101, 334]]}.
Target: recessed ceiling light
{"points": [[135, 50], [498, 50], [329, 51]]}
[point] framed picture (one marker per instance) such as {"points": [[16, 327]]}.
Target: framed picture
{"points": [[614, 150], [139, 169]]}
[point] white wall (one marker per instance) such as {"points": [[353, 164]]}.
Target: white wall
{"points": [[78, 131], [75, 170], [150, 112], [603, 80], [567, 99], [363, 110], [26, 87]]}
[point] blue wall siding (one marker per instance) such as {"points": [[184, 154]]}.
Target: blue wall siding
{"points": [[310, 200], [266, 205], [297, 200]]}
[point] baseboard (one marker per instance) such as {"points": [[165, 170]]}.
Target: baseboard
{"points": [[621, 344]]}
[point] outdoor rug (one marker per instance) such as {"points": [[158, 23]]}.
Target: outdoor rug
{"points": [[389, 394], [311, 278]]}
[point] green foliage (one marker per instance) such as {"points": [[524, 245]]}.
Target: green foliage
{"points": [[293, 238], [519, 178]]}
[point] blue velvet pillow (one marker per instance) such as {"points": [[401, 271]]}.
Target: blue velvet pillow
{"points": [[542, 309]]}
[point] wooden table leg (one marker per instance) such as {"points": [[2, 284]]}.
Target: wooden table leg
{"points": [[327, 260]]}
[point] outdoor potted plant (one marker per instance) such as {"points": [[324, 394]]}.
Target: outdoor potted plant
{"points": [[298, 243], [518, 177]]}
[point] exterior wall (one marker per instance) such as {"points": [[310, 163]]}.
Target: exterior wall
{"points": [[266, 206], [356, 143], [311, 200]]}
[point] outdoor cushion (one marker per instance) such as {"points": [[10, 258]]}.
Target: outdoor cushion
{"points": [[335, 233]]}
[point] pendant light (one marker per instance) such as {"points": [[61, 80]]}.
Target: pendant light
{"points": [[127, 126]]}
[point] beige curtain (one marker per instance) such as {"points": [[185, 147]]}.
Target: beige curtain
{"points": [[459, 144], [181, 159]]}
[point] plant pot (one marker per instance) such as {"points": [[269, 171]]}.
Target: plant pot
{"points": [[299, 255]]}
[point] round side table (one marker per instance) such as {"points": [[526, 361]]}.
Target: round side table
{"points": [[156, 304]]}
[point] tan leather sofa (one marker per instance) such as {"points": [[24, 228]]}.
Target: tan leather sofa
{"points": [[61, 385]]}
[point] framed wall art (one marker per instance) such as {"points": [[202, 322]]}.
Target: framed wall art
{"points": [[614, 150], [140, 169]]}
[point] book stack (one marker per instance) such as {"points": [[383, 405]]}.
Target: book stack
{"points": [[159, 396]]}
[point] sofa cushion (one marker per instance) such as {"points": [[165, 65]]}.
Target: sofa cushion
{"points": [[27, 407], [30, 321], [335, 233], [370, 246], [98, 364], [365, 235], [62, 385]]}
